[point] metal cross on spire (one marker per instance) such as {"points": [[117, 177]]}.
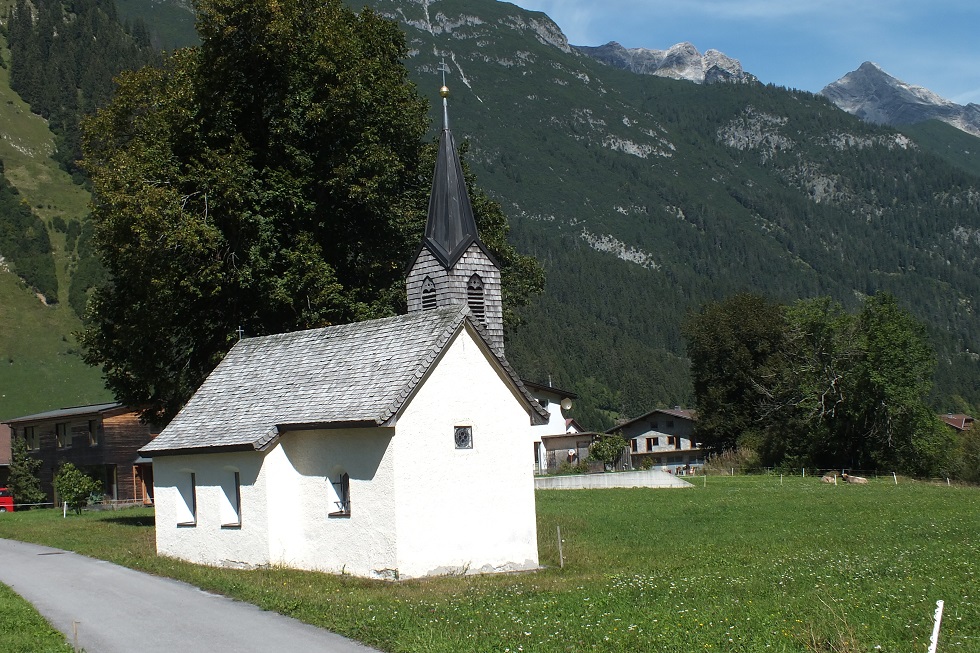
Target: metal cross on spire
{"points": [[444, 92]]}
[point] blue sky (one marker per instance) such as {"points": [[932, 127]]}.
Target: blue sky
{"points": [[803, 44]]}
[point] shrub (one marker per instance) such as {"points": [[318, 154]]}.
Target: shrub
{"points": [[74, 487]]}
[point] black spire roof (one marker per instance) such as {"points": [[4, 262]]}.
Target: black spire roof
{"points": [[451, 227]]}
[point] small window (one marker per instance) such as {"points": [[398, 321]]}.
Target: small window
{"points": [[187, 503], [342, 489], [654, 425], [231, 490], [670, 423], [428, 295], [64, 435], [652, 442], [31, 438], [670, 440], [474, 298], [464, 437], [634, 446], [94, 433]]}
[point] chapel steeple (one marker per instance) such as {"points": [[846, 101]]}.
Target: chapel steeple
{"points": [[453, 266], [451, 227]]}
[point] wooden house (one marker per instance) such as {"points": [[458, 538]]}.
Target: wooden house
{"points": [[102, 440]]}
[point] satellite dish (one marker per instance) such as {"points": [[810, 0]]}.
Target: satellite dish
{"points": [[566, 404]]}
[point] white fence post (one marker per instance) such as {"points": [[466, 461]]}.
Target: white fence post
{"points": [[935, 628]]}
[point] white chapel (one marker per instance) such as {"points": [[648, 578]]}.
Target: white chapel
{"points": [[391, 448]]}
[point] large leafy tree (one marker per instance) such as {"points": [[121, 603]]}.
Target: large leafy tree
{"points": [[812, 384], [732, 345], [274, 178]]}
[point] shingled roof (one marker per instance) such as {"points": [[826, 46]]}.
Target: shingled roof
{"points": [[350, 375]]}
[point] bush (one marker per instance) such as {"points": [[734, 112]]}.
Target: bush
{"points": [[74, 487], [607, 449], [743, 459]]}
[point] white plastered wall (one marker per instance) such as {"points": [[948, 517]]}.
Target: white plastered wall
{"points": [[300, 473], [464, 510], [554, 426], [207, 540]]}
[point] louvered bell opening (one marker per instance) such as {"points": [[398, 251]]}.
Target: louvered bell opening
{"points": [[474, 298], [428, 295]]}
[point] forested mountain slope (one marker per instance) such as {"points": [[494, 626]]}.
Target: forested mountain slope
{"points": [[40, 365], [645, 197]]}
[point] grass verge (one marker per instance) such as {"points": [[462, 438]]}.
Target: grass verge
{"points": [[23, 630], [741, 564]]}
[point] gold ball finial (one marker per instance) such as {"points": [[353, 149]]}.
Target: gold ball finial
{"points": [[444, 91]]}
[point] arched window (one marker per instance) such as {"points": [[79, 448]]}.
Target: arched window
{"points": [[428, 294], [474, 298]]}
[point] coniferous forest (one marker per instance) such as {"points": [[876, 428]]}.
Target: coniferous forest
{"points": [[645, 199], [64, 56]]}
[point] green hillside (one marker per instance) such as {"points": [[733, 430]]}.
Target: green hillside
{"points": [[956, 147], [171, 23], [645, 197], [40, 367]]}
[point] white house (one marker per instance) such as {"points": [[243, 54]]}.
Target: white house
{"points": [[391, 448], [555, 401]]}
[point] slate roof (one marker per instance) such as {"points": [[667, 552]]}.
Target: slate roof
{"points": [[349, 375], [65, 413], [451, 226], [682, 413]]}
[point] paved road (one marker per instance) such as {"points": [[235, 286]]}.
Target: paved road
{"points": [[118, 610]]}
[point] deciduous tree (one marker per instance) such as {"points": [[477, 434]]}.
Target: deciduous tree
{"points": [[274, 178]]}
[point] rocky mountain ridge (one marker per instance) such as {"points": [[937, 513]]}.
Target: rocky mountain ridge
{"points": [[680, 61], [873, 95]]}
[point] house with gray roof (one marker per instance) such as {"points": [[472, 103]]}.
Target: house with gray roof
{"points": [[391, 448], [664, 439], [100, 439]]}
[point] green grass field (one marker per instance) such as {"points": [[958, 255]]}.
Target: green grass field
{"points": [[743, 564], [40, 367], [23, 630]]}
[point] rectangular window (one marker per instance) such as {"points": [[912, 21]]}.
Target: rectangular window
{"points": [[64, 435], [31, 438], [231, 507], [634, 445], [94, 433], [654, 424], [652, 443], [670, 440], [187, 503], [342, 501], [670, 423]]}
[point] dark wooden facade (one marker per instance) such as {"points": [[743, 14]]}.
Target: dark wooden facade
{"points": [[101, 440]]}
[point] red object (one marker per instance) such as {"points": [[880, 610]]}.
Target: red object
{"points": [[6, 500]]}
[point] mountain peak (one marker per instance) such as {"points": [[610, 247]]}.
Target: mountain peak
{"points": [[680, 61], [872, 94]]}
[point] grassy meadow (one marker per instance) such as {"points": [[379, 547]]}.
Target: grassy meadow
{"points": [[40, 365], [23, 630], [741, 564]]}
